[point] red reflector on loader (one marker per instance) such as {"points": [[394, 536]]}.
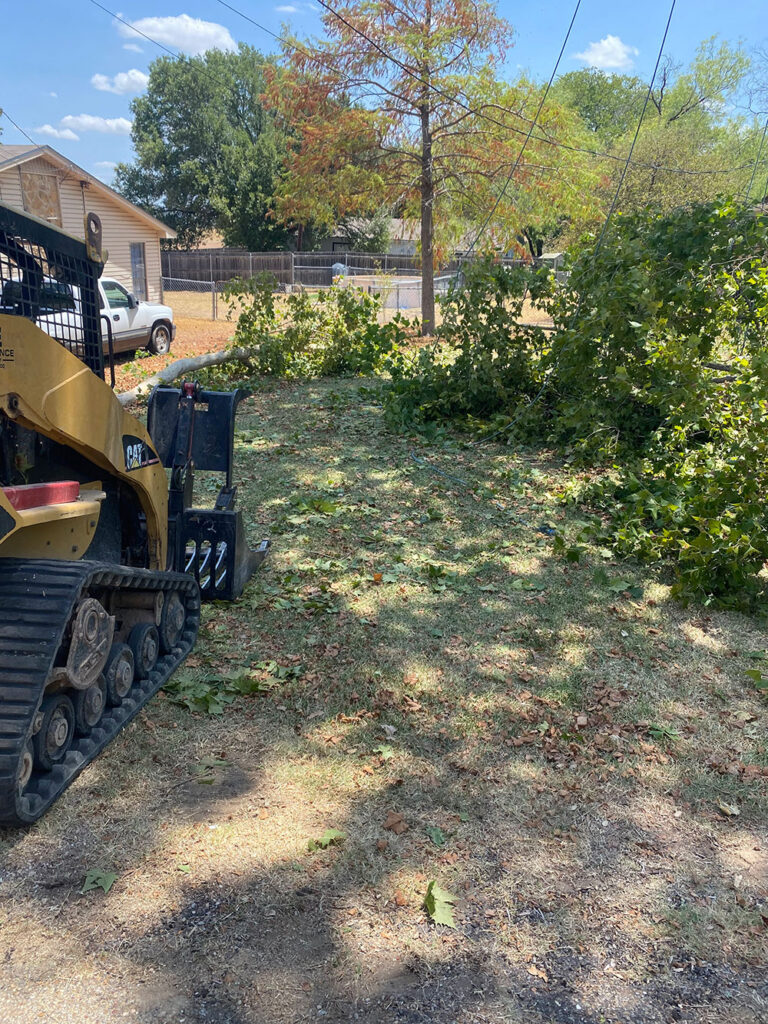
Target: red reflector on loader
{"points": [[33, 495]]}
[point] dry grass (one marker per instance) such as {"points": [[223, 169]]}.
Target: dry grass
{"points": [[574, 743], [200, 306], [193, 338]]}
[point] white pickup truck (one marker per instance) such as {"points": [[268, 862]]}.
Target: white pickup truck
{"points": [[134, 324]]}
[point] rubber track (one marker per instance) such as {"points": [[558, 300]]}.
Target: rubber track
{"points": [[37, 599]]}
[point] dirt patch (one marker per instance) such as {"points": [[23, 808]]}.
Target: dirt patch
{"points": [[193, 338]]}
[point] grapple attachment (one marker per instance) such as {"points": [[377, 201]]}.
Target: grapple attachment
{"points": [[194, 429]]}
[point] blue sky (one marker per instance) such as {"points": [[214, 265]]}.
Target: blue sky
{"points": [[69, 71]]}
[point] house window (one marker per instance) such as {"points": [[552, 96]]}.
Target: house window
{"points": [[139, 270]]}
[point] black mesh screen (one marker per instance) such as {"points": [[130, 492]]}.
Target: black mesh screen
{"points": [[47, 277]]}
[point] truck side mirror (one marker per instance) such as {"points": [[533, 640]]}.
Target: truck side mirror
{"points": [[132, 301]]}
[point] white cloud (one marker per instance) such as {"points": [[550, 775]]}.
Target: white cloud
{"points": [[105, 165], [91, 123], [133, 47], [123, 82], [609, 53], [53, 95], [57, 133], [287, 9], [191, 35]]}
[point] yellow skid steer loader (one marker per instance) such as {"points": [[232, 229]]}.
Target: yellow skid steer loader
{"points": [[102, 564]]}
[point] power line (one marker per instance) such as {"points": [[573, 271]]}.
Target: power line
{"points": [[73, 172], [516, 164], [487, 117], [18, 127], [757, 161], [576, 311], [201, 69], [292, 45], [637, 132], [189, 61]]}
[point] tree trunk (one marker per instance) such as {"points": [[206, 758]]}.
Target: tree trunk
{"points": [[427, 205]]}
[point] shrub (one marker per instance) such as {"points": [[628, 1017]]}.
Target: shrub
{"points": [[658, 361], [330, 332], [483, 362]]}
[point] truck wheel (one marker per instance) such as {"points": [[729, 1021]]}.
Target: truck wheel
{"points": [[160, 339]]}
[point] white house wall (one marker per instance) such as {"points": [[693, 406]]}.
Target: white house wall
{"points": [[119, 226], [10, 188]]}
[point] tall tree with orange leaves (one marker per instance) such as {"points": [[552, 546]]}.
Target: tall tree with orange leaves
{"points": [[401, 104]]}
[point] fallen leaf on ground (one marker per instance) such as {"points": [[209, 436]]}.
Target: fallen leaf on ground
{"points": [[395, 823], [437, 904], [331, 835], [436, 835], [98, 879]]}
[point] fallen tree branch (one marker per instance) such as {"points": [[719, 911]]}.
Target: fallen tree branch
{"points": [[177, 369]]}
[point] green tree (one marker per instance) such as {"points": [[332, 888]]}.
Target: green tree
{"points": [[367, 234], [400, 105], [609, 105], [689, 143], [208, 154]]}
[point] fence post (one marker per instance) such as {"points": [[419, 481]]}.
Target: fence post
{"points": [[210, 264], [292, 254], [250, 264], [213, 299]]}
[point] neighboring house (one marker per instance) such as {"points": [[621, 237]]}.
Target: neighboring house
{"points": [[44, 183], [403, 239], [210, 240]]}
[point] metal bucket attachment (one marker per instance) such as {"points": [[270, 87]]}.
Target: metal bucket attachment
{"points": [[194, 429], [212, 547]]}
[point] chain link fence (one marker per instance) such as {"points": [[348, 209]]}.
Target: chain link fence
{"points": [[192, 282], [190, 298]]}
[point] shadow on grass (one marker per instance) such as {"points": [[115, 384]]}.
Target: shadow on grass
{"points": [[547, 740]]}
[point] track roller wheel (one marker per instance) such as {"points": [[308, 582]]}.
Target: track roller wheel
{"points": [[89, 706], [118, 674], [145, 644], [171, 622], [25, 766], [53, 739]]}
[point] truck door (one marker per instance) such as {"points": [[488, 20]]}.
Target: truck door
{"points": [[126, 334]]}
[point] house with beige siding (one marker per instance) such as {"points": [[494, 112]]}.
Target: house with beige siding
{"points": [[44, 183]]}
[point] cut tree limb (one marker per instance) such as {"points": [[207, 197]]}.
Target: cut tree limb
{"points": [[180, 367]]}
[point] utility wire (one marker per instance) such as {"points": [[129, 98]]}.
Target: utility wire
{"points": [[18, 127], [527, 139], [757, 161], [637, 132], [598, 246], [201, 69], [292, 45], [73, 172], [487, 117]]}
